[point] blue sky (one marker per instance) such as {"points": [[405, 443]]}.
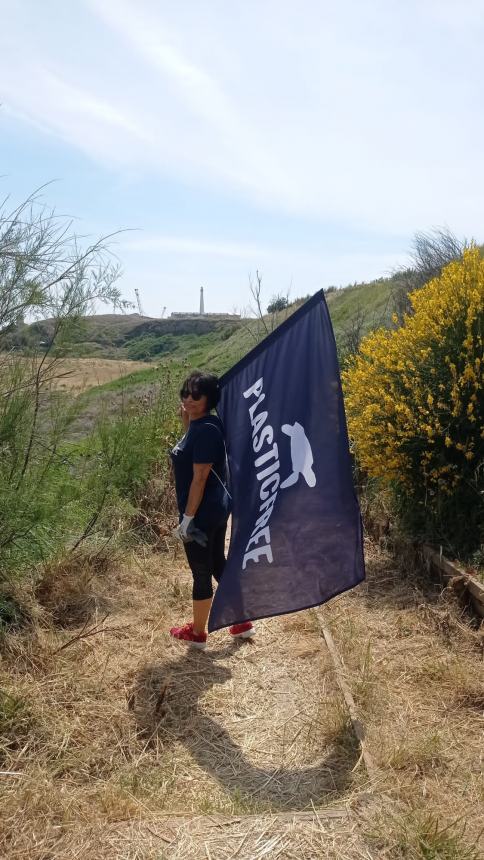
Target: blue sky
{"points": [[308, 140]]}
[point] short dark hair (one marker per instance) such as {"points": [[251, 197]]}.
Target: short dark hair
{"points": [[206, 384]]}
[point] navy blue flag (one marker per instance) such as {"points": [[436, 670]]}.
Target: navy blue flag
{"points": [[296, 528]]}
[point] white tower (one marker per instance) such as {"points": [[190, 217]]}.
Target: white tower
{"points": [[202, 306]]}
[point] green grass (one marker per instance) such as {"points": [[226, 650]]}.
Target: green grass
{"points": [[12, 615], [419, 835], [206, 343], [124, 383], [216, 350], [374, 299], [425, 838], [220, 349]]}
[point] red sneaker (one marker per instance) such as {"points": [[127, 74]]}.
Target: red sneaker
{"points": [[243, 631], [187, 634]]}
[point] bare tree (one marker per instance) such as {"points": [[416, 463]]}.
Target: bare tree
{"points": [[256, 293], [252, 318], [431, 252], [277, 310]]}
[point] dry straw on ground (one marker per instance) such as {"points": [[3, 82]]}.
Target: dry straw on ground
{"points": [[123, 744], [79, 374], [418, 677]]}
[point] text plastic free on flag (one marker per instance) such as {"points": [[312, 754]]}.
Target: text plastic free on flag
{"points": [[296, 535]]}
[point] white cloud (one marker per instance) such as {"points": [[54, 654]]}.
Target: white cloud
{"points": [[76, 115], [222, 138], [363, 111], [256, 255], [191, 245]]}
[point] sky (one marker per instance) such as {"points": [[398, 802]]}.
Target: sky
{"points": [[308, 141]]}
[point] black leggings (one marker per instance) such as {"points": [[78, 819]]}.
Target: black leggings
{"points": [[207, 561]]}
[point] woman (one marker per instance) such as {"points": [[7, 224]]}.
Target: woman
{"points": [[199, 462]]}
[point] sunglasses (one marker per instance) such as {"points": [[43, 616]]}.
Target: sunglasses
{"points": [[185, 392]]}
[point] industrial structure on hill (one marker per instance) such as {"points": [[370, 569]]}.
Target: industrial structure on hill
{"points": [[183, 315]]}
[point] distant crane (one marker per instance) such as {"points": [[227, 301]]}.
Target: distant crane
{"points": [[163, 313], [138, 300]]}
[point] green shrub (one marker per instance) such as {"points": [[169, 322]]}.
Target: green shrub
{"points": [[12, 615], [55, 494]]}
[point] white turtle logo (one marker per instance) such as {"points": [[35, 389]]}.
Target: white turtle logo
{"points": [[301, 456]]}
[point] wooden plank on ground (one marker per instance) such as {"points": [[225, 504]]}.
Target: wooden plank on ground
{"points": [[356, 721], [450, 569]]}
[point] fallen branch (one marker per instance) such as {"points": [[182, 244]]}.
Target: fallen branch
{"points": [[93, 631]]}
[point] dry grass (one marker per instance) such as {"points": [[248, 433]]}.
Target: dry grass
{"points": [[313, 835], [416, 669], [79, 586], [79, 374], [125, 724], [125, 744]]}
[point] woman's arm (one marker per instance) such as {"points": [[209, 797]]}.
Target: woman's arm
{"points": [[201, 472]]}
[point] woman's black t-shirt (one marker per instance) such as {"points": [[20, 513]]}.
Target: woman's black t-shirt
{"points": [[203, 443]]}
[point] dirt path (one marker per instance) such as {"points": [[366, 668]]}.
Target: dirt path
{"points": [[126, 744]]}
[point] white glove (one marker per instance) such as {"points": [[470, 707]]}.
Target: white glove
{"points": [[182, 529]]}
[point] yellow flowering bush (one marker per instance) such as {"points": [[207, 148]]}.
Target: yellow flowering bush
{"points": [[414, 400]]}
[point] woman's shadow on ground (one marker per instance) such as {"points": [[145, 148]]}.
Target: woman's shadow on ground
{"points": [[165, 705]]}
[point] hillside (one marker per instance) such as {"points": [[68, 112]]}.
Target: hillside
{"points": [[362, 307], [120, 336], [373, 300], [131, 336], [130, 356]]}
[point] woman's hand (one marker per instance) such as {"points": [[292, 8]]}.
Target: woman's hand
{"points": [[185, 418]]}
